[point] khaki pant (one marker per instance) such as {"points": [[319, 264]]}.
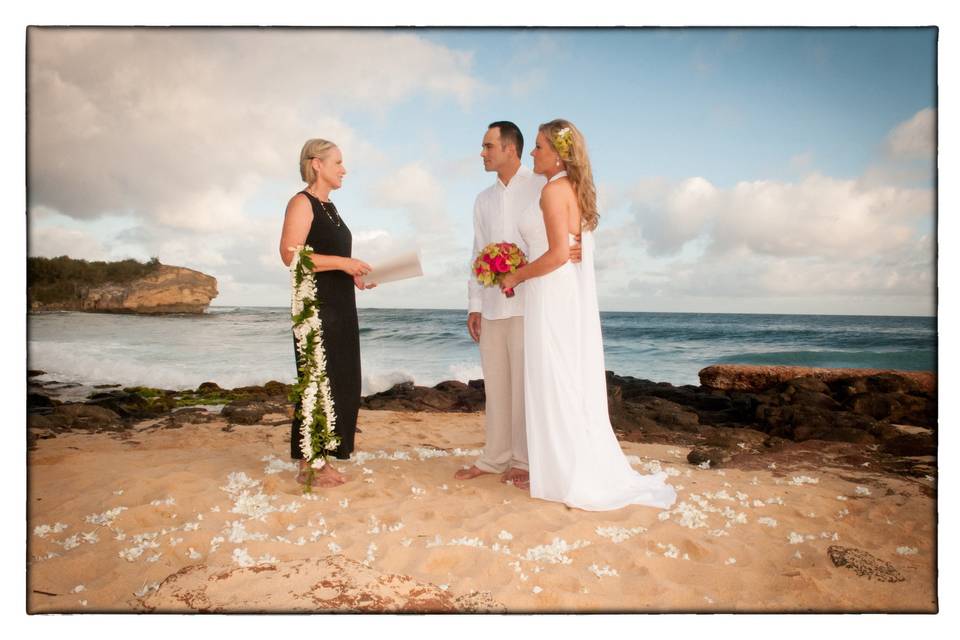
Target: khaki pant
{"points": [[501, 356]]}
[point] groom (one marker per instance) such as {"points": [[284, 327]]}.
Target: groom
{"points": [[495, 321]]}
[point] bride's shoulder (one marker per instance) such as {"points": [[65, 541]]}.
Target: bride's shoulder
{"points": [[558, 188]]}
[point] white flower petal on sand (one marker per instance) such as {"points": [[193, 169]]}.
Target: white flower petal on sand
{"points": [[242, 558], [71, 542], [146, 588], [536, 589], [169, 501], [256, 507], [670, 551], [368, 560], [194, 554], [505, 535], [106, 518], [237, 533], [730, 561], [466, 542], [555, 552], [118, 492], [619, 534], [90, 537], [417, 491], [602, 571], [215, 543], [798, 555], [907, 551], [79, 588], [795, 538], [801, 480], [862, 491], [344, 503], [276, 465], [769, 522], [426, 453], [334, 547], [236, 482], [43, 530]]}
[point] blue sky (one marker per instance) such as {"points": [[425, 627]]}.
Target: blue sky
{"points": [[739, 170]]}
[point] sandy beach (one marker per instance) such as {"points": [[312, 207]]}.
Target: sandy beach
{"points": [[207, 517]]}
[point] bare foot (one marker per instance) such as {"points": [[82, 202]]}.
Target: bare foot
{"points": [[325, 477], [515, 475], [470, 474]]}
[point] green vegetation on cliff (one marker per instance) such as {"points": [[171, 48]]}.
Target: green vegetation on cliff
{"points": [[63, 280]]}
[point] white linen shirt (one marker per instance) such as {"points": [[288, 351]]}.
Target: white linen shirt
{"points": [[496, 213]]}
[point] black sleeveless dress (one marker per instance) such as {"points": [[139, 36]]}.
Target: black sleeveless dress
{"points": [[336, 294]]}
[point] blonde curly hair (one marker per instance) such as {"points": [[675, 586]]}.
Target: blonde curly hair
{"points": [[570, 145]]}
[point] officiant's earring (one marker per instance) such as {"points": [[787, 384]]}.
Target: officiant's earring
{"points": [[558, 162]]}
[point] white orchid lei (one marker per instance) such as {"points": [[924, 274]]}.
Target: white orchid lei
{"points": [[312, 388]]}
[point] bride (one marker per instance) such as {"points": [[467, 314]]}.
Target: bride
{"points": [[574, 456]]}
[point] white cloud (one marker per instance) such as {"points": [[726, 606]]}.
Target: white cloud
{"points": [[50, 242], [819, 237], [162, 123], [415, 190], [915, 138]]}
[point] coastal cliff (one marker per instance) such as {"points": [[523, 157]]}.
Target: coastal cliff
{"points": [[75, 285]]}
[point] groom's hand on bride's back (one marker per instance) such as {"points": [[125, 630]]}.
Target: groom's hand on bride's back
{"points": [[576, 251], [473, 325]]}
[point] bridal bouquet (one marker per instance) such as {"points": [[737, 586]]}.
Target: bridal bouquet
{"points": [[496, 260]]}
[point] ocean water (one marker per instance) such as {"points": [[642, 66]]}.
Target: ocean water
{"points": [[236, 346]]}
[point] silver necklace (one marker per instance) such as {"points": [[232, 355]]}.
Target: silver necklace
{"points": [[335, 218]]}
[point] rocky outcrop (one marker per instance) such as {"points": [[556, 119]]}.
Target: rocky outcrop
{"points": [[450, 395], [864, 564], [165, 290], [755, 378]]}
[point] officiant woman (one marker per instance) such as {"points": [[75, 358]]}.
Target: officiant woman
{"points": [[313, 219]]}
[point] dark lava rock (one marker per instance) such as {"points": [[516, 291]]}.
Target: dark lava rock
{"points": [[39, 401], [245, 411], [911, 444], [33, 373], [449, 395], [130, 404], [208, 387], [276, 389], [864, 564], [87, 416], [714, 456], [191, 415]]}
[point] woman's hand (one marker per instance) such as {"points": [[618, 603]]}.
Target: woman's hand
{"points": [[354, 267], [509, 281], [359, 284]]}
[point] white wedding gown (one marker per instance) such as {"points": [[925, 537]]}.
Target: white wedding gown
{"points": [[574, 456]]}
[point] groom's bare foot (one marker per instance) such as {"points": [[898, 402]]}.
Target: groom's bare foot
{"points": [[515, 475], [470, 473]]}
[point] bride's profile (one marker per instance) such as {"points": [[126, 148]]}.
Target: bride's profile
{"points": [[574, 456]]}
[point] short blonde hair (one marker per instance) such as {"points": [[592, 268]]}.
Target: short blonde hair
{"points": [[313, 148]]}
